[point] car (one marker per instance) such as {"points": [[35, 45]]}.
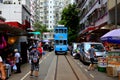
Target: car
{"points": [[85, 46], [74, 47]]}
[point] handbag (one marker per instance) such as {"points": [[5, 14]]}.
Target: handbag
{"points": [[14, 67]]}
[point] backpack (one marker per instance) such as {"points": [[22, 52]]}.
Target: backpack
{"points": [[35, 58]]}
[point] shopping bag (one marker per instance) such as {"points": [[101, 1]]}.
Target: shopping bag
{"points": [[14, 67], [43, 53]]}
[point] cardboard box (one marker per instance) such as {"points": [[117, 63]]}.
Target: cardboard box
{"points": [[119, 76], [111, 71]]}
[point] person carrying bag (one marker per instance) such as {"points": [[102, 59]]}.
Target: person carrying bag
{"points": [[34, 57]]}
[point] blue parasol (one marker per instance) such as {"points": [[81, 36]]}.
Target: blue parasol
{"points": [[112, 36], [46, 41]]}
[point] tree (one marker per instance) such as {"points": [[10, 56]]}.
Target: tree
{"points": [[70, 18], [40, 27]]}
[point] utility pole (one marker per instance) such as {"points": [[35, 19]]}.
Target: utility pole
{"points": [[116, 14]]}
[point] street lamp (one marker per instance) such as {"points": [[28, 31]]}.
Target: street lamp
{"points": [[115, 13]]}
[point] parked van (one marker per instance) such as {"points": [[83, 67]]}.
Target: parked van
{"points": [[85, 46], [74, 47]]}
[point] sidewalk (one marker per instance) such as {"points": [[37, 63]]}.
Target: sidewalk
{"points": [[25, 69]]}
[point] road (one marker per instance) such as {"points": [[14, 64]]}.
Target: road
{"points": [[48, 70]]}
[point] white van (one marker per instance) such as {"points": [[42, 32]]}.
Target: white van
{"points": [[74, 47], [85, 46]]}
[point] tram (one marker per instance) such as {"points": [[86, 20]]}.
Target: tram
{"points": [[60, 39]]}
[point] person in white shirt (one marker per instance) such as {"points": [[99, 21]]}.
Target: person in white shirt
{"points": [[17, 60]]}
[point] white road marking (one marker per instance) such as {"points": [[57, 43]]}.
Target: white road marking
{"points": [[91, 75], [48, 54], [40, 62], [25, 76], [86, 70], [29, 71], [45, 58], [81, 66]]}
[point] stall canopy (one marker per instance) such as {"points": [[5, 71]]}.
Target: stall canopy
{"points": [[12, 27], [112, 36], [46, 41]]}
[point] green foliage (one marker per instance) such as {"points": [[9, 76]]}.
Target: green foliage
{"points": [[40, 27], [70, 18]]}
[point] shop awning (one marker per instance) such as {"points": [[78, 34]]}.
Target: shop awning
{"points": [[12, 27], [36, 33], [15, 24], [89, 29]]}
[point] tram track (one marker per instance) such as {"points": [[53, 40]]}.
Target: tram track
{"points": [[72, 68], [64, 69]]}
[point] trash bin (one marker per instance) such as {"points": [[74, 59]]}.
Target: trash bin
{"points": [[102, 64]]}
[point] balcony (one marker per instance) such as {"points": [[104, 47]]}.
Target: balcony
{"points": [[111, 4]]}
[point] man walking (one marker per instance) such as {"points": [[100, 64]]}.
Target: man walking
{"points": [[92, 55], [34, 57]]}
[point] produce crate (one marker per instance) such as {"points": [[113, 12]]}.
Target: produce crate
{"points": [[118, 75], [111, 71]]}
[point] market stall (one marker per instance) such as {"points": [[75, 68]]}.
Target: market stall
{"points": [[113, 55], [113, 63]]}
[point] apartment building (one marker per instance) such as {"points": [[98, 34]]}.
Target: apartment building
{"points": [[50, 14], [96, 18], [17, 20]]}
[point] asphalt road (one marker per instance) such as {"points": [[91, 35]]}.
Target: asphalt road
{"points": [[48, 60]]}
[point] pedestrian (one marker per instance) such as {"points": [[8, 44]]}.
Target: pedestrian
{"points": [[17, 60], [2, 69], [40, 49], [10, 60], [34, 57], [92, 55]]}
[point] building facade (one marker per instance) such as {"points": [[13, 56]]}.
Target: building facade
{"points": [[50, 14], [14, 28], [96, 18]]}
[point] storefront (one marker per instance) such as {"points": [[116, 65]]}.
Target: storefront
{"points": [[13, 34]]}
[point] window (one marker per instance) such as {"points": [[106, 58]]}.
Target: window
{"points": [[45, 36], [1, 1], [61, 42], [65, 31], [50, 1], [56, 30], [61, 30], [50, 21], [0, 12], [57, 42], [64, 42], [41, 3]]}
